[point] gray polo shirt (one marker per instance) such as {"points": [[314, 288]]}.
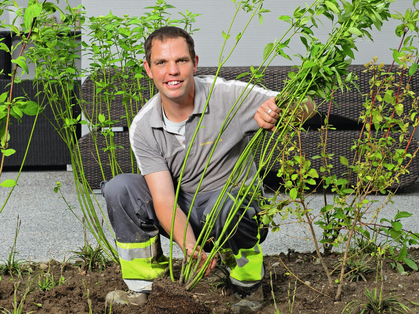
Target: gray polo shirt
{"points": [[156, 149]]}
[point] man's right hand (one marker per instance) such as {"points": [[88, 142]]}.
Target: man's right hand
{"points": [[195, 255]]}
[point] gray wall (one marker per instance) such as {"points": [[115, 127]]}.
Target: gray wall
{"points": [[216, 17]]}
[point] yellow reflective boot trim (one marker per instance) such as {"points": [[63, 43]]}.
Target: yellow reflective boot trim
{"points": [[143, 260], [144, 268], [249, 265]]}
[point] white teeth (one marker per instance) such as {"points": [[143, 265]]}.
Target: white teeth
{"points": [[173, 82]]}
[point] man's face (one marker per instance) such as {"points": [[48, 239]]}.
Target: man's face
{"points": [[172, 69]]}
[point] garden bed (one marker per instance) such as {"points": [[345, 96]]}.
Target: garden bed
{"points": [[82, 292]]}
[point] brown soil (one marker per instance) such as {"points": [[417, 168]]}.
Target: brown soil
{"points": [[310, 293]]}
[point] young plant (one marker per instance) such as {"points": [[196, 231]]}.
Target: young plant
{"points": [[321, 68], [46, 281], [19, 299], [381, 157], [89, 258], [115, 49], [19, 106], [377, 303], [13, 266], [357, 268]]}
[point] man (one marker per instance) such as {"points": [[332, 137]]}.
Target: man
{"points": [[140, 207]]}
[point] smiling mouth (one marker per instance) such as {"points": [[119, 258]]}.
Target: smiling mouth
{"points": [[173, 83]]}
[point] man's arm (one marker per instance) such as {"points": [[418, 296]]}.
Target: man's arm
{"points": [[162, 192], [267, 114]]}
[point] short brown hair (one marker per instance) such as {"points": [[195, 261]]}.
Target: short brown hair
{"points": [[167, 32]]}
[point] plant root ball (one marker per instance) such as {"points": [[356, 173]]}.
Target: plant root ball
{"points": [[169, 297]]}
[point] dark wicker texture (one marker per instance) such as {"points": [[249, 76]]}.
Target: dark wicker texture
{"points": [[46, 148], [344, 117], [90, 161], [346, 109], [95, 102], [339, 143]]}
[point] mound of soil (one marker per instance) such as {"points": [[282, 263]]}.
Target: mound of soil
{"points": [[169, 297], [293, 283]]}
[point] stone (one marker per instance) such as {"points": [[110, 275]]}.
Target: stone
{"points": [[43, 266], [119, 297]]}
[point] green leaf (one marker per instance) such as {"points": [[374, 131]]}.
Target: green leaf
{"points": [[284, 18], [308, 64], [344, 161], [33, 11], [16, 110], [4, 47], [413, 69], [313, 173], [101, 118], [395, 234], [399, 108], [410, 263], [388, 96], [8, 183], [260, 19], [348, 52], [242, 75], [402, 215], [239, 36], [399, 267], [403, 252], [311, 181], [293, 193], [397, 226], [355, 31], [30, 108], [8, 152], [226, 37], [3, 97], [332, 7], [268, 50], [21, 61]]}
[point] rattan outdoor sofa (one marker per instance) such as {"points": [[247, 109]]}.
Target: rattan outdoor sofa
{"points": [[343, 115]]}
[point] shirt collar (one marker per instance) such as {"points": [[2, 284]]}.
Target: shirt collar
{"points": [[200, 98]]}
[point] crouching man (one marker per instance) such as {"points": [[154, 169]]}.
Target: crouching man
{"points": [[140, 207]]}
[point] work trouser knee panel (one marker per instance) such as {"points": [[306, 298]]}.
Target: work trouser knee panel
{"points": [[130, 208], [243, 236]]}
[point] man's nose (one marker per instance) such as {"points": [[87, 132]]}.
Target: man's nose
{"points": [[173, 68]]}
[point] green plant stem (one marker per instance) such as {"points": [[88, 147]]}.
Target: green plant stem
{"points": [[11, 92], [22, 164]]}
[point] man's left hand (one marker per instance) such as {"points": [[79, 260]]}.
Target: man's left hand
{"points": [[267, 114]]}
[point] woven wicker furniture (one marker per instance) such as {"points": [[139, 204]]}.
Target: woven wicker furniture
{"points": [[47, 149], [344, 117]]}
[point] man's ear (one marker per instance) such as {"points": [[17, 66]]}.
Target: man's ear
{"points": [[195, 65], [147, 68]]}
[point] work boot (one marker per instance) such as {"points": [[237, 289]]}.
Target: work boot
{"points": [[250, 301], [119, 297]]}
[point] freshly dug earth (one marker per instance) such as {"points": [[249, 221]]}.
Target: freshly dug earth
{"points": [[84, 292]]}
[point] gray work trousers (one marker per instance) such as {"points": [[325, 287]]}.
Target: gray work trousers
{"points": [[132, 216]]}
